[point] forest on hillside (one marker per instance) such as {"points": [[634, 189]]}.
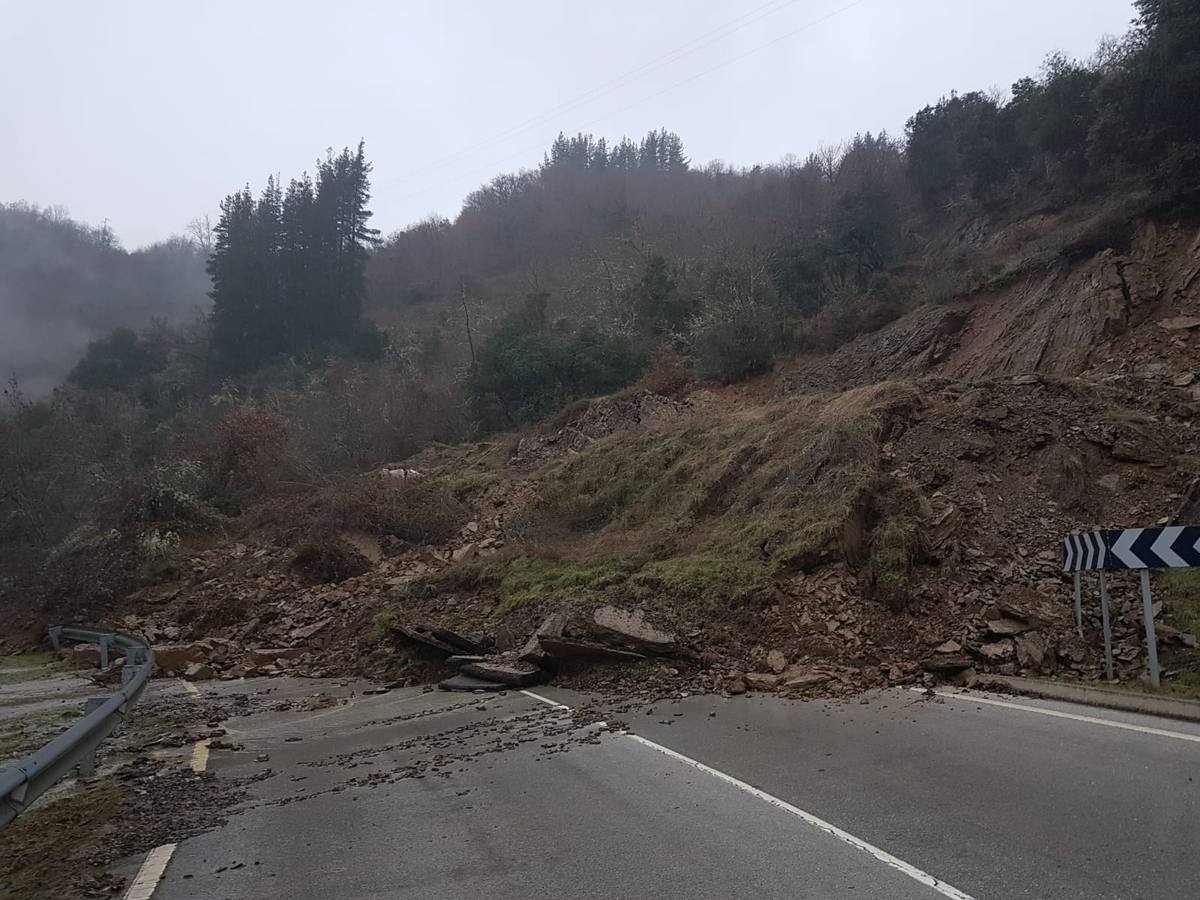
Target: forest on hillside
{"points": [[322, 348]]}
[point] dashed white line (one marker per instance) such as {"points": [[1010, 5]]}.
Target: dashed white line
{"points": [[1058, 714], [155, 865], [918, 875], [545, 699], [200, 756], [150, 873]]}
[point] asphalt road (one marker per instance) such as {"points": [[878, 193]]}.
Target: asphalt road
{"points": [[432, 795]]}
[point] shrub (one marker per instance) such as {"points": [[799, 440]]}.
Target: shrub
{"points": [[117, 362], [667, 373], [252, 448], [409, 509], [530, 366], [734, 341], [328, 561], [177, 493]]}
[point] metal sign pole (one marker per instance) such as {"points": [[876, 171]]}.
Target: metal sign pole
{"points": [[1079, 602], [1108, 660], [1151, 638]]}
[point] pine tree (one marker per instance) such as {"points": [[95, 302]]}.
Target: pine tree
{"points": [[670, 152], [289, 272], [340, 250], [648, 152], [296, 261], [599, 158], [624, 156], [230, 268]]}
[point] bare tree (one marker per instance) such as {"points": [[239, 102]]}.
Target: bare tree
{"points": [[200, 230]]}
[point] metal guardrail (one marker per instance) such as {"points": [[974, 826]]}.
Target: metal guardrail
{"points": [[27, 779]]}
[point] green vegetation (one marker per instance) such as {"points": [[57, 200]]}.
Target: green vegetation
{"points": [[382, 623], [27, 660], [531, 366], [808, 546], [1180, 592], [525, 579], [39, 665], [722, 581]]}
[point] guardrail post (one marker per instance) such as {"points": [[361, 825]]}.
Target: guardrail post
{"points": [[104, 652], [1151, 638], [56, 637], [1108, 659], [87, 764]]}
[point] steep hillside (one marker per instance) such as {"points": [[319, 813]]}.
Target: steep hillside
{"points": [[1120, 313], [888, 513]]}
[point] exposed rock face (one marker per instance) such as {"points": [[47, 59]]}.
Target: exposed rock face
{"points": [[1059, 317]]}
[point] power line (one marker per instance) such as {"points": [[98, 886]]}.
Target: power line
{"points": [[522, 152], [587, 97]]}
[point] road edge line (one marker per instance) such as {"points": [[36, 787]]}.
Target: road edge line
{"points": [[918, 875], [1059, 714]]}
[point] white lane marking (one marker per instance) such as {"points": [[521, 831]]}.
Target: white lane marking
{"points": [[1091, 720], [190, 688], [150, 873], [545, 699], [882, 856], [200, 756]]}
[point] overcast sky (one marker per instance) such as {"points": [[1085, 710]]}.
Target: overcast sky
{"points": [[147, 113]]}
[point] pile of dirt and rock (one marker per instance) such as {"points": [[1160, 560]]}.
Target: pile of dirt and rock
{"points": [[994, 474], [600, 418], [891, 513], [563, 641]]}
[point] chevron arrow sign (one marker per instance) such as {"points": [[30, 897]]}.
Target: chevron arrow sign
{"points": [[1083, 552], [1133, 548]]}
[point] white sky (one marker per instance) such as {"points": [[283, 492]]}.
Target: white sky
{"points": [[147, 113]]}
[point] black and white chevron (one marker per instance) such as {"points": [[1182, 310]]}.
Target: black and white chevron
{"points": [[1083, 552], [1133, 548]]}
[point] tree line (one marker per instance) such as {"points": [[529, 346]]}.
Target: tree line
{"points": [[289, 269]]}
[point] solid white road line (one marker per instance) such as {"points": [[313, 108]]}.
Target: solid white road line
{"points": [[946, 890], [150, 873], [1091, 720]]}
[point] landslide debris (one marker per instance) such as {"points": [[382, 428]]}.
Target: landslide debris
{"points": [[885, 514]]}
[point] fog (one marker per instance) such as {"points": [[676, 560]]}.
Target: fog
{"points": [[139, 116], [63, 285], [145, 113]]}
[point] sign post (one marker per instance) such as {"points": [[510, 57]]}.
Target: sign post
{"points": [[1151, 638], [1079, 603], [1108, 660]]}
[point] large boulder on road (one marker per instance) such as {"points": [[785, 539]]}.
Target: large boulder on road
{"points": [[630, 629]]}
